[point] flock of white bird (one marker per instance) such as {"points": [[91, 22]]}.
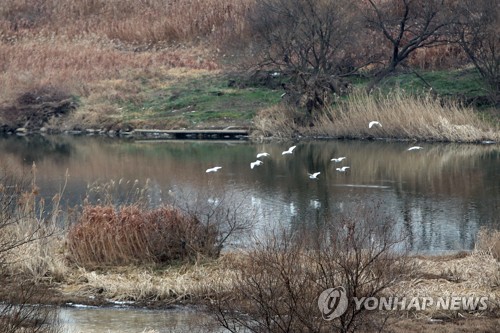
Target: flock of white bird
{"points": [[313, 175]]}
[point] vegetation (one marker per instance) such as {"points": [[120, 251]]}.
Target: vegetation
{"points": [[24, 231], [94, 64], [403, 116], [427, 70], [106, 256], [284, 277], [104, 236]]}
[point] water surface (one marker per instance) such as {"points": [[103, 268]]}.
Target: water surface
{"points": [[441, 194], [129, 320]]}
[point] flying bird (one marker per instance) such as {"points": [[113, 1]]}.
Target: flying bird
{"points": [[343, 169], [289, 151], [314, 175], [259, 155], [372, 123], [214, 169], [256, 163], [415, 148], [337, 160]]}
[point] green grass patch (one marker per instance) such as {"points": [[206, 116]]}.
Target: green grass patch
{"points": [[201, 99], [463, 83]]}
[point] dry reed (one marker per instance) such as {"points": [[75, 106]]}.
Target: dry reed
{"points": [[106, 236], [403, 116], [28, 232], [169, 285], [81, 46], [488, 241]]}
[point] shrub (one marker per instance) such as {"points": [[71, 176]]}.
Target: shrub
{"points": [[278, 284], [104, 235]]}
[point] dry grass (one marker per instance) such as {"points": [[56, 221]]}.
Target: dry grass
{"points": [[124, 20], [189, 282], [402, 116], [92, 48], [276, 121], [28, 232], [83, 66], [104, 235], [488, 241]]}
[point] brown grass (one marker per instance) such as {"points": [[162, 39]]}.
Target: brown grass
{"points": [[80, 65], [104, 235], [124, 20], [95, 49], [176, 283], [402, 116], [488, 241]]}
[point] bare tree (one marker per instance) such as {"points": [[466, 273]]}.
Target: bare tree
{"points": [[478, 33], [309, 41], [279, 284], [407, 25]]}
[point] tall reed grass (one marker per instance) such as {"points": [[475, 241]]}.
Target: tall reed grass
{"points": [[27, 253], [402, 115], [124, 20], [29, 233], [105, 235], [82, 46]]}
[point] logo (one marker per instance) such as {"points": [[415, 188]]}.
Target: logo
{"points": [[333, 303]]}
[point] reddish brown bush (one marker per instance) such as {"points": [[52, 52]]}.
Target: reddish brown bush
{"points": [[104, 235]]}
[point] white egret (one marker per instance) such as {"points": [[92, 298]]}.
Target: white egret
{"points": [[343, 169], [256, 163], [415, 148], [214, 169], [337, 160], [373, 123], [314, 175], [314, 203], [289, 151], [259, 155]]}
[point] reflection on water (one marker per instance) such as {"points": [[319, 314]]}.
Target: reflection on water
{"points": [[441, 195], [128, 320]]}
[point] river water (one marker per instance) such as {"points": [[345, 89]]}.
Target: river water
{"points": [[441, 195], [129, 320]]}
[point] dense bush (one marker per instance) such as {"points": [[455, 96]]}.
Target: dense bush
{"points": [[104, 235]]}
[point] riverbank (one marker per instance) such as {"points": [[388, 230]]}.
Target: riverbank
{"points": [[97, 276], [212, 100], [193, 285]]}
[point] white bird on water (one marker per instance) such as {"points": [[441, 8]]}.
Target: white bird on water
{"points": [[214, 169], [415, 148], [259, 155], [314, 175], [256, 163], [373, 123], [337, 160], [289, 151], [343, 169]]}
